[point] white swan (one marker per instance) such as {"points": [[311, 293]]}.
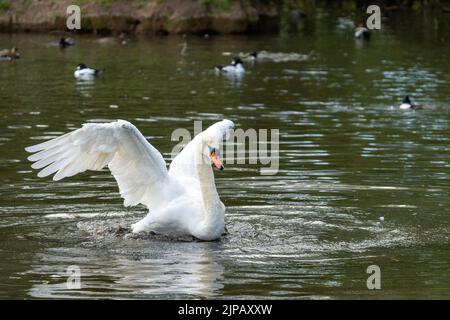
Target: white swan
{"points": [[181, 201]]}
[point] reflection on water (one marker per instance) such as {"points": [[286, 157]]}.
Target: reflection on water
{"points": [[234, 79], [360, 181], [85, 87], [189, 271]]}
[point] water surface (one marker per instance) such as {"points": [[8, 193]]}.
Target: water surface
{"points": [[360, 182]]}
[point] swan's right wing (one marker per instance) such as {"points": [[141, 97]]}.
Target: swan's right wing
{"points": [[139, 169]]}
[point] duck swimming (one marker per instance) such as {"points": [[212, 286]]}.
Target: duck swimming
{"points": [[7, 54], [362, 32], [408, 105], [253, 55], [236, 67], [85, 73], [181, 201], [66, 42], [266, 56], [120, 39]]}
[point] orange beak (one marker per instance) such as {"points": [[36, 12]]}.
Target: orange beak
{"points": [[216, 161]]}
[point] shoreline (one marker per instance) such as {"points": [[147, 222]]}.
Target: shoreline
{"points": [[141, 17], [195, 17]]}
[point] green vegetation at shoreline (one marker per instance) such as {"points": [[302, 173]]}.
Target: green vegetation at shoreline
{"points": [[4, 5], [193, 16]]}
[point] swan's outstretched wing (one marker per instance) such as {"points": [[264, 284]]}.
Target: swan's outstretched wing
{"points": [[138, 167], [183, 165]]}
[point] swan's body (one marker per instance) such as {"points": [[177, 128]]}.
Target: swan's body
{"points": [[181, 201], [235, 68], [84, 73]]}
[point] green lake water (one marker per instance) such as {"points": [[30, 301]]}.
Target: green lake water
{"points": [[360, 182]]}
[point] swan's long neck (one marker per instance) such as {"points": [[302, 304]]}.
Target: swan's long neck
{"points": [[211, 201]]}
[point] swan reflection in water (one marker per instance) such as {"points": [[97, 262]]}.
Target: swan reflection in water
{"points": [[172, 269]]}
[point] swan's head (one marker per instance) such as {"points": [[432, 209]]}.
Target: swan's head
{"points": [[211, 154], [212, 140]]}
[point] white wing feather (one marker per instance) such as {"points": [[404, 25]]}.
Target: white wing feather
{"points": [[139, 169]]}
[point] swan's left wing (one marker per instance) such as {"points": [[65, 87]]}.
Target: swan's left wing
{"points": [[139, 169]]}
